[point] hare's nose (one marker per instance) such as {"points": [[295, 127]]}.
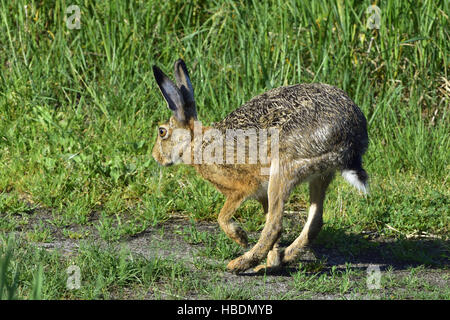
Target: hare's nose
{"points": [[168, 164]]}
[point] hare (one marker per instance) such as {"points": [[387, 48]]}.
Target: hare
{"points": [[320, 131]]}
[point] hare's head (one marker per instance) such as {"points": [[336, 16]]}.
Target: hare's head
{"points": [[174, 137]]}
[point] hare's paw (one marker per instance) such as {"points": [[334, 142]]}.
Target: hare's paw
{"points": [[266, 269], [241, 264], [272, 265], [234, 232], [241, 237]]}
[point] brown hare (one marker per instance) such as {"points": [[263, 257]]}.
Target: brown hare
{"points": [[318, 130]]}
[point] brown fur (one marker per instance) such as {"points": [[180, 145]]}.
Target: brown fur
{"points": [[321, 131]]}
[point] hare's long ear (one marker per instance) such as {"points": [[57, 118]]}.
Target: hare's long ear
{"points": [[186, 89], [171, 93]]}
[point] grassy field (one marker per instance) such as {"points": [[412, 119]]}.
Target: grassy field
{"points": [[78, 116]]}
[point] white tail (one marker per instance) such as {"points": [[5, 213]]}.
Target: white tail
{"points": [[358, 179]]}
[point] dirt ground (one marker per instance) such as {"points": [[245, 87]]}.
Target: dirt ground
{"points": [[167, 241]]}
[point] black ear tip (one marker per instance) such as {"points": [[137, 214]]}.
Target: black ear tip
{"points": [[181, 63], [180, 68]]}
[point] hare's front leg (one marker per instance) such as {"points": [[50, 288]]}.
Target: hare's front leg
{"points": [[274, 256], [231, 229]]}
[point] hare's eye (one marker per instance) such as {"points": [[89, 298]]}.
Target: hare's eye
{"points": [[162, 132]]}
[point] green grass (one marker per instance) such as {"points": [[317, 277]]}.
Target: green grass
{"points": [[351, 283], [105, 273], [79, 110], [29, 272]]}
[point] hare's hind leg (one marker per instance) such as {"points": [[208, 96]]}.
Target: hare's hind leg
{"points": [[317, 189]]}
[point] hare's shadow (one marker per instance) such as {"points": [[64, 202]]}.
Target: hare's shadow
{"points": [[334, 247]]}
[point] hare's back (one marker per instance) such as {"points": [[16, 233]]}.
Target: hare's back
{"points": [[318, 116]]}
